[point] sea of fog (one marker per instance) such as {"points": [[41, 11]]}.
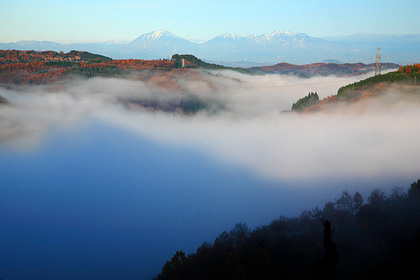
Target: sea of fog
{"points": [[92, 190]]}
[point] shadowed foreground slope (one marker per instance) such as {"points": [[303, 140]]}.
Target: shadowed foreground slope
{"points": [[376, 240]]}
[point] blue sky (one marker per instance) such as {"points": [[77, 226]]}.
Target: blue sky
{"points": [[83, 20]]}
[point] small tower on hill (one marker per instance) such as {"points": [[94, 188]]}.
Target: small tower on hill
{"points": [[378, 62]]}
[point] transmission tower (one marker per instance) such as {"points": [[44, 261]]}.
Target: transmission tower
{"points": [[378, 61]]}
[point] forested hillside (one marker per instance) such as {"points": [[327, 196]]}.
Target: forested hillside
{"points": [[376, 238], [409, 74], [405, 79], [193, 62], [35, 68], [30, 67], [305, 102], [17, 56]]}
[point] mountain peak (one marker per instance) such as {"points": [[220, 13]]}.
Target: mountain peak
{"points": [[154, 36], [230, 36], [281, 32]]}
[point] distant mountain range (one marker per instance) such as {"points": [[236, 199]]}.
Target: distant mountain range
{"points": [[253, 50]]}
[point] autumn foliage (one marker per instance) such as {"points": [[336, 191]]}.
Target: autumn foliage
{"points": [[139, 64], [31, 67], [410, 69], [408, 75]]}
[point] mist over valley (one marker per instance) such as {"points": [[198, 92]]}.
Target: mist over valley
{"points": [[228, 140], [121, 163]]}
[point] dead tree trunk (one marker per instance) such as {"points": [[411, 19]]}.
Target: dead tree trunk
{"points": [[327, 267]]}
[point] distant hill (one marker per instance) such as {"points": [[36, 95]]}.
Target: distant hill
{"points": [[269, 49], [332, 61], [322, 69]]}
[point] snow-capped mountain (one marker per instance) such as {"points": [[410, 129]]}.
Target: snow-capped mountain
{"points": [[228, 36], [222, 43], [279, 35], [272, 48], [160, 44], [277, 46], [265, 39], [156, 36]]}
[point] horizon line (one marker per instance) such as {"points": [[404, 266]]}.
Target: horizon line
{"points": [[197, 41]]}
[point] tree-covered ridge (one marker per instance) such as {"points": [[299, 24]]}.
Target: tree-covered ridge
{"points": [[192, 62], [17, 56], [51, 67], [141, 64], [306, 102], [30, 67], [379, 239], [405, 77]]}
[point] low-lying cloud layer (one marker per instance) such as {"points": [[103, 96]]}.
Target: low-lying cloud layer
{"points": [[371, 138]]}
